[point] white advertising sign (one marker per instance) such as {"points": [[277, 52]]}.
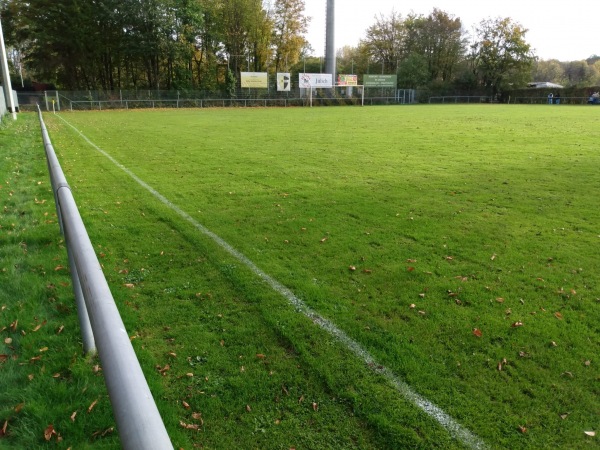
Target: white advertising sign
{"points": [[316, 80], [283, 81]]}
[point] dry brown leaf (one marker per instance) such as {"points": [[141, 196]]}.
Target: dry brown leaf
{"points": [[189, 426], [517, 324], [3, 429], [13, 326], [185, 404], [8, 341], [129, 285], [60, 329], [260, 356], [248, 408], [590, 433], [315, 406], [43, 349], [37, 328], [367, 271], [73, 416], [89, 410], [558, 315], [522, 429], [352, 268], [564, 416], [30, 377], [477, 332], [19, 407], [48, 432], [301, 399], [56, 375]]}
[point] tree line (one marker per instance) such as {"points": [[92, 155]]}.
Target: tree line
{"points": [[205, 44]]}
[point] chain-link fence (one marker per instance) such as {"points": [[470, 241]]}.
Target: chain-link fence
{"points": [[242, 97]]}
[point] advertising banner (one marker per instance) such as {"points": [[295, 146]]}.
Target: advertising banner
{"points": [[347, 80], [316, 80], [283, 81], [254, 80], [389, 81]]}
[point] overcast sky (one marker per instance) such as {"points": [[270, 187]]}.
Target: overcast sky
{"points": [[563, 30]]}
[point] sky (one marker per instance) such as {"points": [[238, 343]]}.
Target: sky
{"points": [[563, 30]]}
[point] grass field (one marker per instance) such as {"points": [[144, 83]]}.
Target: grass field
{"points": [[455, 244]]}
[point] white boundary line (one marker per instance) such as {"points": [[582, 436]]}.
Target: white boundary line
{"points": [[456, 430]]}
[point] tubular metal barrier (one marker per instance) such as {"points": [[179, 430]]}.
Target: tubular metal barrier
{"points": [[138, 421]]}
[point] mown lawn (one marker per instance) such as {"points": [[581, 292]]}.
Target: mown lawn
{"points": [[455, 243]]}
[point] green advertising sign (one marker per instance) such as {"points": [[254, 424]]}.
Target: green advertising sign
{"points": [[389, 81]]}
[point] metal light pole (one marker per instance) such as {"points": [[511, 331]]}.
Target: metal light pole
{"points": [[330, 39], [6, 76]]}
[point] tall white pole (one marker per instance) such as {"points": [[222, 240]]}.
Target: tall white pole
{"points": [[6, 76]]}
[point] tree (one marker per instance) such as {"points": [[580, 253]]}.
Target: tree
{"points": [[548, 70], [501, 56], [384, 41], [289, 26]]}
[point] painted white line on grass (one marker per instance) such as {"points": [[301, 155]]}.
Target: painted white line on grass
{"points": [[454, 428]]}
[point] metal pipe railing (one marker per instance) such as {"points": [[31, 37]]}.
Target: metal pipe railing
{"points": [[138, 421]]}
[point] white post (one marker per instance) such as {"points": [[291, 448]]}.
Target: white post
{"points": [[6, 76]]}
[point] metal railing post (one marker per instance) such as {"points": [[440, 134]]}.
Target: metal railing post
{"points": [[138, 420]]}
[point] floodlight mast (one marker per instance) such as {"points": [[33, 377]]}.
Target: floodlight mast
{"points": [[6, 76], [329, 39]]}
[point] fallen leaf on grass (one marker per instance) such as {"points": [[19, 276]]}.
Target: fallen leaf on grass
{"points": [[60, 329], [522, 429], [103, 433], [73, 416], [185, 404], [558, 315], [315, 406], [8, 341], [43, 349], [590, 433], [49, 432], [189, 426], [352, 268], [3, 429], [564, 416], [260, 356], [517, 324], [13, 326], [477, 332], [19, 407], [30, 377], [248, 408], [129, 285], [89, 410]]}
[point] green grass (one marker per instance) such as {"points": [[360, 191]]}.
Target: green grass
{"points": [[482, 217], [44, 377]]}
